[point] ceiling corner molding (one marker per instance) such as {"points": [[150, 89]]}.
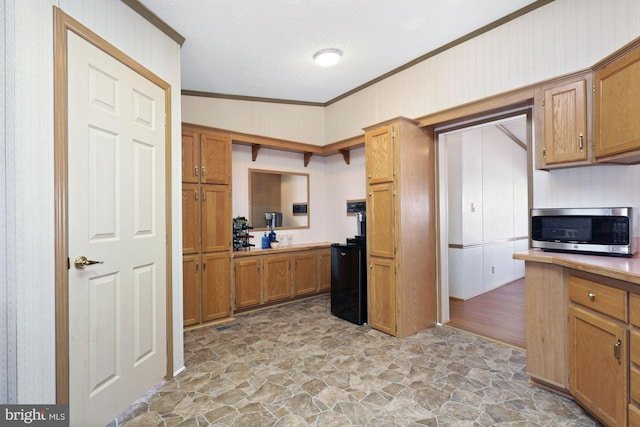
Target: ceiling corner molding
{"points": [[154, 19], [187, 92], [492, 25]]}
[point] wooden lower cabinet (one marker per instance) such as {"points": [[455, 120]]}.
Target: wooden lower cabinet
{"points": [[600, 345], [634, 356], [216, 289], [191, 290], [248, 281], [206, 288], [324, 270], [305, 277], [381, 309], [546, 324], [277, 277], [266, 278], [598, 365]]}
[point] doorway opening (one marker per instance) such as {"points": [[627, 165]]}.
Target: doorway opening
{"points": [[484, 193]]}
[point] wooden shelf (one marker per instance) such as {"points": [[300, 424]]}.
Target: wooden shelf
{"points": [[257, 142]]}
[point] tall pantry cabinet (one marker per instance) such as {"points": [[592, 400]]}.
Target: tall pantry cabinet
{"points": [[401, 240], [206, 225]]}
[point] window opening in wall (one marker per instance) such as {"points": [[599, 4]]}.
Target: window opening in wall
{"points": [[484, 203]]}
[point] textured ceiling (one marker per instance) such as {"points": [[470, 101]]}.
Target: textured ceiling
{"points": [[264, 48]]}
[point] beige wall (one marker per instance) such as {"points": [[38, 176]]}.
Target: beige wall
{"points": [[561, 37]]}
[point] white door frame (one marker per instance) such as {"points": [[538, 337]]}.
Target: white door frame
{"points": [[442, 188], [63, 24]]}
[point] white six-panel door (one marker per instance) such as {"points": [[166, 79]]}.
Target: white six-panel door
{"points": [[116, 188]]}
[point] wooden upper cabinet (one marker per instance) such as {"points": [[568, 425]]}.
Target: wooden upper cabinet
{"points": [[379, 155], [617, 107], [190, 219], [190, 156], [216, 218], [206, 157], [381, 219], [565, 123], [215, 157]]}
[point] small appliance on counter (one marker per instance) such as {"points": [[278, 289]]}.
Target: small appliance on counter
{"points": [[349, 276], [599, 231]]}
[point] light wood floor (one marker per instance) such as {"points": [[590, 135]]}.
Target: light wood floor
{"points": [[497, 314]]}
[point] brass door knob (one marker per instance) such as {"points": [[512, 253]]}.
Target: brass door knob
{"points": [[82, 261]]}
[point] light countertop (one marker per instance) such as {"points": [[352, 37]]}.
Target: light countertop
{"points": [[284, 249], [621, 268]]}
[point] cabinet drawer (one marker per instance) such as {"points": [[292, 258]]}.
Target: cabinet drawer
{"points": [[634, 310], [606, 300]]}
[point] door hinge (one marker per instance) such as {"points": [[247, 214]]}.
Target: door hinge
{"points": [[68, 264], [544, 153], [594, 88], [543, 103]]}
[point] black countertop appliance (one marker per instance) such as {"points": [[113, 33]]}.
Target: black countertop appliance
{"points": [[349, 280]]}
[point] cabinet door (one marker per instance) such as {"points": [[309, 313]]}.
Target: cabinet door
{"points": [[379, 155], [381, 293], [191, 290], [190, 156], [546, 324], [277, 277], [598, 362], [324, 270], [565, 123], [216, 218], [216, 286], [305, 278], [216, 159], [381, 217], [248, 281], [190, 219], [616, 106]]}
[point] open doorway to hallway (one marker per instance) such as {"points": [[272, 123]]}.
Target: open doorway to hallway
{"points": [[484, 193]]}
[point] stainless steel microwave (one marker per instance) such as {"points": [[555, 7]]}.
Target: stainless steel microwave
{"points": [[604, 231]]}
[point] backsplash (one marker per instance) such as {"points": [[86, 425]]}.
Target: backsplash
{"points": [[589, 186]]}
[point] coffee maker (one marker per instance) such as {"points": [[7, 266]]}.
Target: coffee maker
{"points": [[360, 238], [361, 219]]}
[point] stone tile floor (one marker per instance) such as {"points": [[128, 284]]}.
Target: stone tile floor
{"points": [[297, 365]]}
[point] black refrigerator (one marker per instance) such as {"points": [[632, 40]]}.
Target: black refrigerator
{"points": [[349, 280]]}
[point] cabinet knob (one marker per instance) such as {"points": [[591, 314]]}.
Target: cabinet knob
{"points": [[592, 296], [370, 265], [195, 171], [203, 171]]}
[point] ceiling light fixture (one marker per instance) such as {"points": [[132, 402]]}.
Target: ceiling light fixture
{"points": [[327, 57]]}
